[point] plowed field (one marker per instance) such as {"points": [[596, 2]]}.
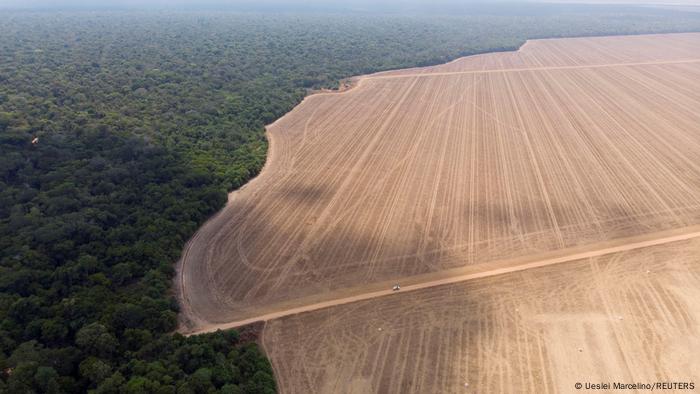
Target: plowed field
{"points": [[629, 317], [562, 144]]}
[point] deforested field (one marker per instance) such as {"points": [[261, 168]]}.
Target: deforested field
{"points": [[562, 144], [630, 317]]}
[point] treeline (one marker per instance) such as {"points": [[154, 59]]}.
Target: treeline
{"points": [[120, 133]]}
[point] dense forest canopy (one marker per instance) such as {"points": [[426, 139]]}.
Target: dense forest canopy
{"points": [[120, 133]]}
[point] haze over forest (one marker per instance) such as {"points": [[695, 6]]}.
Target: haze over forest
{"points": [[400, 6]]}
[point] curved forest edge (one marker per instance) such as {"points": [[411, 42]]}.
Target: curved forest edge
{"points": [[121, 133]]}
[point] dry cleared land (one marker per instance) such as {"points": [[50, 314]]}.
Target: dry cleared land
{"points": [[570, 168], [562, 144], [627, 317], [462, 274]]}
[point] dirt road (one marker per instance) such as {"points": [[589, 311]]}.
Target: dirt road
{"points": [[475, 272]]}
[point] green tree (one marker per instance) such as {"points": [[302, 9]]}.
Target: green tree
{"points": [[96, 340], [95, 370]]}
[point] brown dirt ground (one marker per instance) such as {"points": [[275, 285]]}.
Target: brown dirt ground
{"points": [[627, 317], [573, 158], [456, 275], [562, 144]]}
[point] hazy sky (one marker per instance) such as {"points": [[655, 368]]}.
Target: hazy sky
{"points": [[240, 4], [292, 4]]}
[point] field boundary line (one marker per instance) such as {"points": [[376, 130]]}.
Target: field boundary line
{"points": [[471, 272], [546, 68]]}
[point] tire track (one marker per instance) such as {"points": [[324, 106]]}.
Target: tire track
{"points": [[481, 271]]}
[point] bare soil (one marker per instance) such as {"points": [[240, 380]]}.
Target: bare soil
{"points": [[627, 317], [562, 144]]}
